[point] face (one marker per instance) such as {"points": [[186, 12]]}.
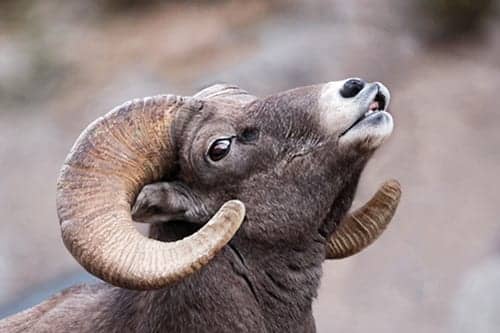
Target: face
{"points": [[287, 157]]}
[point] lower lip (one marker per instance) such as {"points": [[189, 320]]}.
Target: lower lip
{"points": [[376, 118], [370, 114], [373, 116]]}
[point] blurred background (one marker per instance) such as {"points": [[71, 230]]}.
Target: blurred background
{"points": [[437, 268]]}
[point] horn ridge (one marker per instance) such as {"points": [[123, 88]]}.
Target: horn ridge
{"points": [[362, 227]]}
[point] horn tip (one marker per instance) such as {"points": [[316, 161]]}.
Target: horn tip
{"points": [[236, 206], [393, 185]]}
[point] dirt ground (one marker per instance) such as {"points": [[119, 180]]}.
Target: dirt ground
{"points": [[436, 269]]}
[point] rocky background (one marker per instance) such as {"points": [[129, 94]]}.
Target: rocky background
{"points": [[437, 268]]}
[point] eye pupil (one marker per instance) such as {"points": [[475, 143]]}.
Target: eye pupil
{"points": [[219, 149]]}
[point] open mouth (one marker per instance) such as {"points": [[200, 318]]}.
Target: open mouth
{"points": [[377, 105]]}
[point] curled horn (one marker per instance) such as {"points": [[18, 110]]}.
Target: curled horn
{"points": [[111, 161], [362, 227]]}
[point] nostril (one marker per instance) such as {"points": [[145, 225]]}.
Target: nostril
{"points": [[351, 88]]}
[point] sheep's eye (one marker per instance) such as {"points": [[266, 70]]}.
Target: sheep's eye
{"points": [[219, 149], [249, 134]]}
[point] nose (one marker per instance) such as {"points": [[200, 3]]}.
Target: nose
{"points": [[351, 88]]}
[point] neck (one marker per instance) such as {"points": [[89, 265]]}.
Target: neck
{"points": [[275, 282], [284, 280]]}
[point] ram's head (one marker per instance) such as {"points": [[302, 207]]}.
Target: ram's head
{"points": [[292, 159]]}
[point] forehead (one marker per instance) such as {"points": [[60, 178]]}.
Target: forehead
{"points": [[291, 113], [287, 115]]}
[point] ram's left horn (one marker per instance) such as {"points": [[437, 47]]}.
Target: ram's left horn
{"points": [[131, 146], [362, 227]]}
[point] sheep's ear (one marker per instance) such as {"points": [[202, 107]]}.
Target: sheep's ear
{"points": [[226, 93], [167, 201]]}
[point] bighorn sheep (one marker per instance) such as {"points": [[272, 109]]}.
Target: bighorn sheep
{"points": [[255, 193]]}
